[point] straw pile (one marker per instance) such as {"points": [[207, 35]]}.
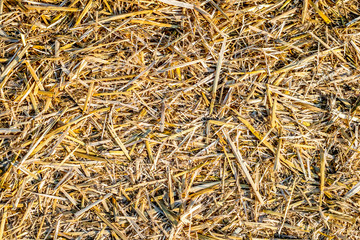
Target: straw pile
{"points": [[164, 119]]}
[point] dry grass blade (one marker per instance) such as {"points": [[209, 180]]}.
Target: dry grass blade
{"points": [[355, 189], [118, 141], [47, 130], [178, 4], [109, 224], [243, 167], [322, 175], [51, 8], [217, 75], [15, 60], [77, 214]]}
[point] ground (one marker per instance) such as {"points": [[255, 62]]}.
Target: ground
{"points": [[166, 119]]}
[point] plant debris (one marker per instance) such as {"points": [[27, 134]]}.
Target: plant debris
{"points": [[179, 119]]}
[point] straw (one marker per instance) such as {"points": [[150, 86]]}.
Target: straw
{"points": [[179, 119]]}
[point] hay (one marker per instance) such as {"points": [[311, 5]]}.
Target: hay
{"points": [[182, 119]]}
